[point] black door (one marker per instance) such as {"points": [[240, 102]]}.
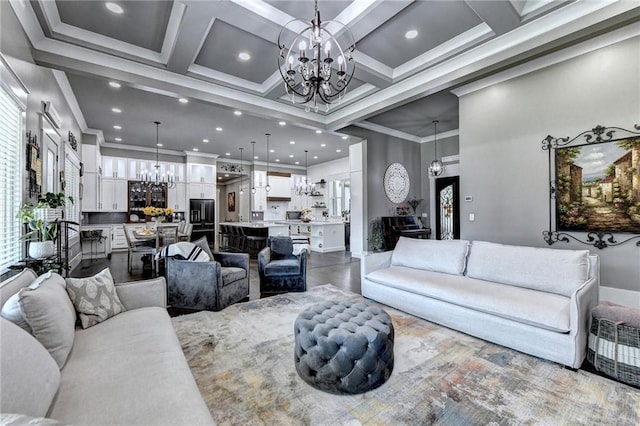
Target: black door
{"points": [[448, 208]]}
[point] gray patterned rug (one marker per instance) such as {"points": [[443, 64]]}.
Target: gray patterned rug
{"points": [[242, 359]]}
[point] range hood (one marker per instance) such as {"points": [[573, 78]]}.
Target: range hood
{"points": [[280, 183]]}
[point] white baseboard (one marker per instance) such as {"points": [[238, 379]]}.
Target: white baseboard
{"points": [[622, 297]]}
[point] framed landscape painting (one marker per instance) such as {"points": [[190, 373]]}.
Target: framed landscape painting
{"points": [[598, 187]]}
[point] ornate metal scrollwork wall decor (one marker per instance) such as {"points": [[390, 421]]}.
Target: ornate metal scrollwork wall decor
{"points": [[566, 213]]}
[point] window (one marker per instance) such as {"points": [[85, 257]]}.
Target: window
{"points": [[10, 179]]}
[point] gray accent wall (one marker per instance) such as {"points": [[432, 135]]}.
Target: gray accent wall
{"points": [[503, 166]]}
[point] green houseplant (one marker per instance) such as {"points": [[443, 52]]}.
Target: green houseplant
{"points": [[45, 231]]}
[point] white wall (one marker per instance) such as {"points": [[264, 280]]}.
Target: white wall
{"points": [[504, 167]]}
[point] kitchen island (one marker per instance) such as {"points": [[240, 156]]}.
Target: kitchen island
{"points": [[324, 236]]}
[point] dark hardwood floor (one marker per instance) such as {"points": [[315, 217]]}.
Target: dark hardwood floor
{"points": [[337, 268]]}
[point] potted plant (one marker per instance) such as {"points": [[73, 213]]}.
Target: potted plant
{"points": [[45, 231], [49, 207]]}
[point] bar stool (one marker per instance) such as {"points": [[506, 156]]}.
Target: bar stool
{"points": [[236, 238], [224, 237], [254, 242]]}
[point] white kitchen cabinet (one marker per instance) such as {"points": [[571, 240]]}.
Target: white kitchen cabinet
{"points": [[259, 200], [118, 239], [202, 190], [327, 237], [177, 197], [136, 168], [178, 171], [114, 167], [202, 173], [280, 184], [91, 158], [114, 195], [91, 192]]}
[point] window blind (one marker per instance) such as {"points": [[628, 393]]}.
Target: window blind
{"points": [[72, 188], [10, 180]]}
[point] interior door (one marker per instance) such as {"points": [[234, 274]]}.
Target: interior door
{"points": [[448, 208]]}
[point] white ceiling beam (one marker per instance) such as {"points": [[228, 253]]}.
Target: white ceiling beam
{"points": [[501, 19]]}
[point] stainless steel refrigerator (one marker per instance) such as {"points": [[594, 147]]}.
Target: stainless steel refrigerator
{"points": [[202, 216]]}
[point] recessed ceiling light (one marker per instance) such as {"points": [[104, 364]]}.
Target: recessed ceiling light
{"points": [[219, 177], [272, 150], [345, 137], [226, 175], [116, 110], [183, 100], [323, 145], [338, 150], [411, 34], [238, 113], [318, 131], [115, 84], [282, 123], [315, 157], [219, 129], [159, 144], [292, 142], [195, 149], [205, 140], [113, 7], [117, 127], [297, 162], [277, 160], [255, 157], [244, 56], [118, 139], [290, 155], [227, 153]]}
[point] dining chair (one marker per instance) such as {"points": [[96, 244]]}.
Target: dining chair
{"points": [[185, 234], [135, 246]]}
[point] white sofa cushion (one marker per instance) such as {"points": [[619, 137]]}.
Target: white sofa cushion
{"points": [[11, 309], [129, 369], [439, 256], [14, 284], [550, 270], [540, 309], [51, 316], [30, 376]]}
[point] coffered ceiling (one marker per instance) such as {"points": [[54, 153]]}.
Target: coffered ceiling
{"points": [[161, 51]]}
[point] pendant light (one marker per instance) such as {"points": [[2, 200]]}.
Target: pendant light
{"points": [[241, 176], [436, 167], [305, 188], [268, 187], [253, 166], [158, 181]]}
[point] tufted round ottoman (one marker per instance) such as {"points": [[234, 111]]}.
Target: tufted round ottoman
{"points": [[344, 347]]}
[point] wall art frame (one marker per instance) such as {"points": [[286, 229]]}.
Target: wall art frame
{"points": [[231, 201], [594, 187]]}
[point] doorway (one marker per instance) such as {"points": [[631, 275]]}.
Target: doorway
{"points": [[448, 208]]}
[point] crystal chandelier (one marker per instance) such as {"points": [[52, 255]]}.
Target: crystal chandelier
{"points": [[315, 66], [233, 168], [305, 188], [159, 181], [436, 167]]}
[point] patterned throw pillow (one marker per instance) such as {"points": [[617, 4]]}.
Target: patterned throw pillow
{"points": [[95, 298]]}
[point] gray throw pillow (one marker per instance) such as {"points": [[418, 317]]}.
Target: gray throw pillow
{"points": [[11, 309], [95, 298], [204, 245], [50, 314]]}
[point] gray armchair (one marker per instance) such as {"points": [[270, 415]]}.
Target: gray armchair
{"points": [[210, 286], [280, 270]]}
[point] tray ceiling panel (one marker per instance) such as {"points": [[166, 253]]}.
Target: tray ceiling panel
{"points": [[219, 54], [143, 23], [435, 21]]}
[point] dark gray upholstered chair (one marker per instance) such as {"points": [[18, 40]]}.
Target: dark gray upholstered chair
{"points": [[210, 286], [280, 270]]}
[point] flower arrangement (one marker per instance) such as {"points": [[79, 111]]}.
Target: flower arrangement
{"points": [[305, 211], [157, 211]]}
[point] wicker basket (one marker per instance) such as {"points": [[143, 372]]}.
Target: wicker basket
{"points": [[614, 349]]}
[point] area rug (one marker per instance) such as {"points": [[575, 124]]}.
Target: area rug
{"points": [[242, 359]]}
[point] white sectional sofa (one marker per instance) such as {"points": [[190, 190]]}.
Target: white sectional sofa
{"points": [[534, 300], [128, 369]]}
